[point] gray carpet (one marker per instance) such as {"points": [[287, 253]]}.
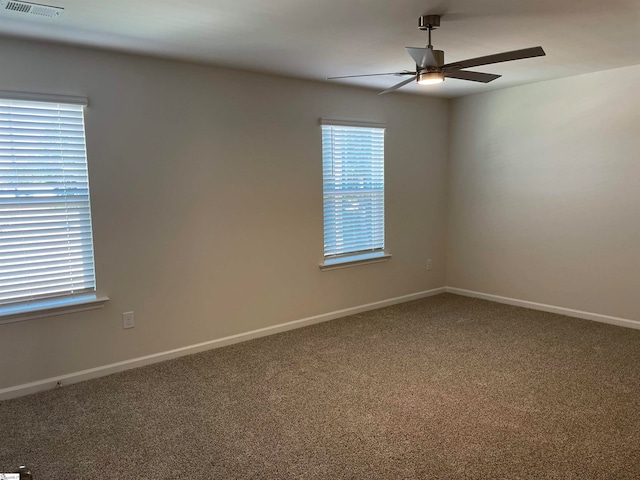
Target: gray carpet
{"points": [[445, 387]]}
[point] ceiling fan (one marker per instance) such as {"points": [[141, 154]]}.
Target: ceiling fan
{"points": [[431, 69]]}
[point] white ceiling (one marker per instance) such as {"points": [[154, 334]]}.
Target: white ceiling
{"points": [[316, 39]]}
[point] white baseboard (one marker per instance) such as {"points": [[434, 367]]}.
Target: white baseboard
{"points": [[621, 322], [49, 383]]}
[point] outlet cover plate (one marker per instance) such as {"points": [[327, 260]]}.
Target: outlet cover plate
{"points": [[128, 320]]}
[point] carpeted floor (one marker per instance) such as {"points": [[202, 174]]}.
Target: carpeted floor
{"points": [[445, 387]]}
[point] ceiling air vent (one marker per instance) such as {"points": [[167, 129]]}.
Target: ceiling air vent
{"points": [[31, 8]]}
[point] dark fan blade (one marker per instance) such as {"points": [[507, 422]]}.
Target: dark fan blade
{"points": [[422, 56], [473, 76], [373, 75], [497, 58], [398, 85]]}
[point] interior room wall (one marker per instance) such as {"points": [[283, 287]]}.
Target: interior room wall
{"points": [[544, 193], [206, 193]]}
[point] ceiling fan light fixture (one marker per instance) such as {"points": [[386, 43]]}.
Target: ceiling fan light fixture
{"points": [[430, 66], [430, 78]]}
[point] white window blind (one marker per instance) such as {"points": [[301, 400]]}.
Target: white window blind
{"points": [[353, 174], [46, 247]]}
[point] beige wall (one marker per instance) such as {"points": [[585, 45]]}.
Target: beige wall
{"points": [[544, 197], [207, 203]]}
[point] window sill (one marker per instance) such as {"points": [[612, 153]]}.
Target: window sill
{"points": [[354, 260], [50, 308]]}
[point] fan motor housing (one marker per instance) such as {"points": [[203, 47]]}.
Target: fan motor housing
{"points": [[439, 56]]}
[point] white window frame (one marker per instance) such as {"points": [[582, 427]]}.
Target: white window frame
{"points": [[342, 258], [60, 303]]}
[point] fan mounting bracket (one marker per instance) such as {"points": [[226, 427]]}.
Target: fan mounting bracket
{"points": [[429, 22]]}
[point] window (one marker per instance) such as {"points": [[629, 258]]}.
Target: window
{"points": [[46, 246], [353, 188]]}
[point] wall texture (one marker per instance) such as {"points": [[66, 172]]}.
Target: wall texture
{"points": [[206, 190], [544, 193]]}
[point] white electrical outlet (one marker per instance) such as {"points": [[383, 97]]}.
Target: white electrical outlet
{"points": [[429, 264], [128, 320]]}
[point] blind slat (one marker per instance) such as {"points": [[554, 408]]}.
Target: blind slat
{"points": [[15, 259]]}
